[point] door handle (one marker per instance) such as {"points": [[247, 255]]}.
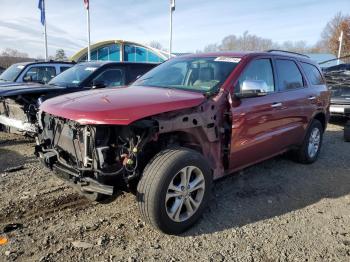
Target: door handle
{"points": [[276, 105], [312, 98]]}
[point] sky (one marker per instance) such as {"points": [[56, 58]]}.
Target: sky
{"points": [[196, 23]]}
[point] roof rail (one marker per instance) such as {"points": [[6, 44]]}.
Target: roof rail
{"points": [[289, 52]]}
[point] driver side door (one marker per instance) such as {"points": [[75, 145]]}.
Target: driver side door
{"points": [[257, 122]]}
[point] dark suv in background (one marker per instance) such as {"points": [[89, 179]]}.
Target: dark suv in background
{"points": [[185, 123]]}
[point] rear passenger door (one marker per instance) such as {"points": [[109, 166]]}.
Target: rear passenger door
{"points": [[296, 99]]}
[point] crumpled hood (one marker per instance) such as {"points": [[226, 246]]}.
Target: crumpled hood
{"points": [[27, 88], [121, 105]]}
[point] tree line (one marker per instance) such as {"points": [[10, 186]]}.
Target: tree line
{"points": [[328, 43]]}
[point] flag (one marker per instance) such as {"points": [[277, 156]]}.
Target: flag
{"points": [[41, 6], [86, 4], [172, 5]]}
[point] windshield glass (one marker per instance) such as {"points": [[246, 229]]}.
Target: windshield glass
{"points": [[73, 76], [202, 74], [11, 73]]}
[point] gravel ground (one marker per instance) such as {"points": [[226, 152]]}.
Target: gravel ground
{"points": [[275, 211]]}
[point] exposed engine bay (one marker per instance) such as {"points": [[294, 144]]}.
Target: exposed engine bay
{"points": [[18, 114], [99, 157]]}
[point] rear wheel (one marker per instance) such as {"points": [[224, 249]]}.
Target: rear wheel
{"points": [[174, 190], [310, 149]]}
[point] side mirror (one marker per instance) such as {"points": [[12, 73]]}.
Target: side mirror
{"points": [[98, 84], [252, 88], [28, 79]]}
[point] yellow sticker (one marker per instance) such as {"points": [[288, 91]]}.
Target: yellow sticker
{"points": [[3, 241]]}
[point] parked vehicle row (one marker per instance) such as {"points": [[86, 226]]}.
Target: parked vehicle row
{"points": [[185, 123], [19, 102]]}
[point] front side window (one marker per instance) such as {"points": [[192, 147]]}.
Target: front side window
{"points": [[313, 74], [73, 76], [11, 73], [42, 74], [64, 68], [196, 74], [111, 77], [258, 70], [289, 76]]}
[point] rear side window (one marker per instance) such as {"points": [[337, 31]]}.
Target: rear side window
{"points": [[260, 70], [289, 76], [313, 74]]}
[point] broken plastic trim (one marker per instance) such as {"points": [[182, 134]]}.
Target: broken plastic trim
{"points": [[18, 124]]}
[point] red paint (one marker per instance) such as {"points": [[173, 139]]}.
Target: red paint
{"points": [[120, 106]]}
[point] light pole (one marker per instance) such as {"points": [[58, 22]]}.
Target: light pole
{"points": [[340, 45], [172, 9]]}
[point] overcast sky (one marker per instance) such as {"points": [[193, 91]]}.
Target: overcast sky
{"points": [[196, 22]]}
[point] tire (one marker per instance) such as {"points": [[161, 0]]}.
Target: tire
{"points": [[164, 170], [347, 132], [304, 155]]}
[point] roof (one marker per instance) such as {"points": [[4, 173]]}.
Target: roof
{"points": [[242, 54], [43, 62]]}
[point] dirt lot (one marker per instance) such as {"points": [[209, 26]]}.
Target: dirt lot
{"points": [[277, 210]]}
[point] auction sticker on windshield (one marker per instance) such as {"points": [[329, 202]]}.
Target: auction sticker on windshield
{"points": [[227, 59]]}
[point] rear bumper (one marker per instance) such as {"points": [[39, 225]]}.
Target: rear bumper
{"points": [[21, 125]]}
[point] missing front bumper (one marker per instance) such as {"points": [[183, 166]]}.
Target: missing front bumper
{"points": [[85, 184]]}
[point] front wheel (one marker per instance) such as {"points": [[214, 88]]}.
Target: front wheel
{"points": [[174, 190], [310, 149]]}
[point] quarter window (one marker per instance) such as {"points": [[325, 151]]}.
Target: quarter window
{"points": [[289, 76], [313, 74], [40, 74], [260, 70]]}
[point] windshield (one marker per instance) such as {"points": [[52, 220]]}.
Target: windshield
{"points": [[196, 74], [11, 73], [73, 76]]}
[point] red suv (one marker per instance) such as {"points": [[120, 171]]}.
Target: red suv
{"points": [[185, 123]]}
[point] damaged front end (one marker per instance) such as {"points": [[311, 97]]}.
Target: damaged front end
{"points": [[95, 158], [18, 114]]}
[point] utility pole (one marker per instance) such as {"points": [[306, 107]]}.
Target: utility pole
{"points": [[172, 9], [340, 45]]}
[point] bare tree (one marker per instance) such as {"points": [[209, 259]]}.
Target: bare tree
{"points": [[60, 55], [331, 33], [156, 45], [10, 56], [13, 53]]}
